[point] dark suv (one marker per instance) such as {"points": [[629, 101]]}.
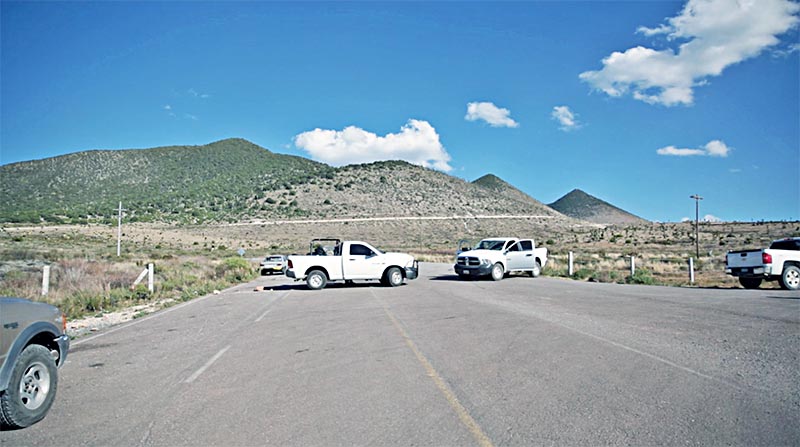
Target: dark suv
{"points": [[33, 345]]}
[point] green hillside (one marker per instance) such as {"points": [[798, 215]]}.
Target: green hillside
{"points": [[237, 181], [179, 183]]}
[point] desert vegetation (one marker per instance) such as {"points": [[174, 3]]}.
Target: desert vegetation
{"points": [[89, 279]]}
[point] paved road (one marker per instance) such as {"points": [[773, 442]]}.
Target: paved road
{"points": [[439, 362]]}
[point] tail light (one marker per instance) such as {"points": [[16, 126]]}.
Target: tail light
{"points": [[766, 258], [291, 266], [64, 323]]}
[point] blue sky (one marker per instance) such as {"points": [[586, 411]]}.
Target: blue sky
{"points": [[641, 104]]}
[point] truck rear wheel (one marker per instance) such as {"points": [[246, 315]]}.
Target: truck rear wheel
{"points": [[537, 269], [316, 280], [790, 279], [749, 283]]}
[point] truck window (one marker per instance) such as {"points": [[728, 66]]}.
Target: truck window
{"points": [[489, 244], [786, 245], [360, 250], [526, 245], [514, 247]]}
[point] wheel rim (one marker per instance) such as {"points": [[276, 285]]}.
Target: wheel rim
{"points": [[793, 279], [396, 277], [34, 386], [315, 281], [497, 271], [536, 270]]}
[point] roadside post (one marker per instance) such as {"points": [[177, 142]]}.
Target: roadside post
{"points": [[150, 277], [146, 272], [691, 270], [633, 265], [45, 280], [571, 269]]}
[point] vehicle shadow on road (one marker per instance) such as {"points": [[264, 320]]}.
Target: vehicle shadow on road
{"points": [[445, 278], [793, 296], [303, 286]]}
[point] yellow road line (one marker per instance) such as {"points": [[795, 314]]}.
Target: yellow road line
{"points": [[462, 412]]}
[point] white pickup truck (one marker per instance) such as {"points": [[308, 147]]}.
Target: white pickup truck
{"points": [[334, 260], [781, 262], [498, 256]]}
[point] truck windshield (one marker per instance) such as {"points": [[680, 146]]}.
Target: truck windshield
{"points": [[490, 244]]}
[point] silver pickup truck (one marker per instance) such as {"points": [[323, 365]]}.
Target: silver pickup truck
{"points": [[780, 262], [33, 344]]}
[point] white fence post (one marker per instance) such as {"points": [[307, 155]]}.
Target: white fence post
{"points": [[691, 270], [571, 269], [46, 280], [633, 265], [150, 277]]}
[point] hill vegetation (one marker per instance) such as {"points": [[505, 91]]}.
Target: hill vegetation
{"points": [[235, 180], [580, 205]]}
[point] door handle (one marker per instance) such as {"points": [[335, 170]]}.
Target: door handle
{"points": [[528, 256]]}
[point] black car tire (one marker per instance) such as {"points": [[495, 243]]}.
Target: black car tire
{"points": [[316, 280], [537, 270], [394, 277], [497, 272], [32, 389], [749, 283], [790, 279]]}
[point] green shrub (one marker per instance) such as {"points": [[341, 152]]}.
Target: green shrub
{"points": [[235, 269], [641, 276]]}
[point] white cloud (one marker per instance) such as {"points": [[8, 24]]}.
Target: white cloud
{"points": [[417, 142], [196, 94], [734, 170], [167, 107], [717, 34], [487, 111], [566, 117], [686, 219], [714, 148], [711, 218]]}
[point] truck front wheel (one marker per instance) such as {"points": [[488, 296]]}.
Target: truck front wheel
{"points": [[749, 283], [497, 272], [316, 280], [790, 279], [394, 277]]}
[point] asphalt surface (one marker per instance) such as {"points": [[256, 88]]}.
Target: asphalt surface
{"points": [[438, 361]]}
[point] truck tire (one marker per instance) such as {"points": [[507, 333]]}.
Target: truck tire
{"points": [[537, 269], [498, 272], [393, 277], [316, 280], [790, 279], [31, 390], [749, 283]]}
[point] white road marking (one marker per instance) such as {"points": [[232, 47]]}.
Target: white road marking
{"points": [[269, 304], [441, 385], [207, 365]]}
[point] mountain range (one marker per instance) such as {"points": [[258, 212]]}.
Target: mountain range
{"points": [[234, 180]]}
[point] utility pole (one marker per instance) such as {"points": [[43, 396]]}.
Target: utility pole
{"points": [[697, 200], [119, 228]]}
